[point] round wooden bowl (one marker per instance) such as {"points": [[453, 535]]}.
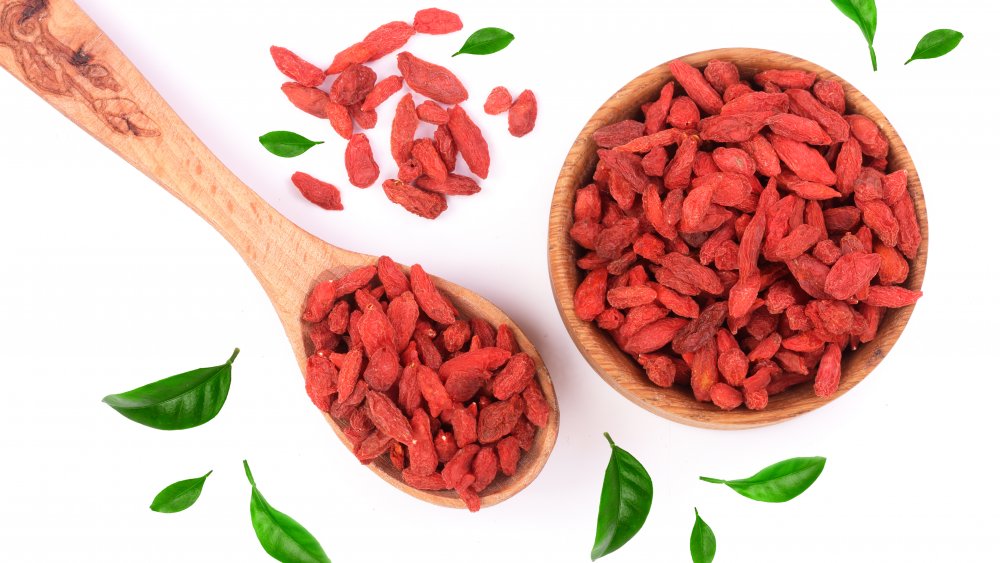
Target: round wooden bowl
{"points": [[619, 369]]}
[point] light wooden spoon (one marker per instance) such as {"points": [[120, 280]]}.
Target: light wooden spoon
{"points": [[57, 51]]}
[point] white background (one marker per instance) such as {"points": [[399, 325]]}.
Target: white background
{"points": [[109, 283]]}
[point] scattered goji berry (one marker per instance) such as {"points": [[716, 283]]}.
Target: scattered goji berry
{"points": [[322, 194]]}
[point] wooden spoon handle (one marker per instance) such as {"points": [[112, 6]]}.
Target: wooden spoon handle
{"points": [[54, 48]]}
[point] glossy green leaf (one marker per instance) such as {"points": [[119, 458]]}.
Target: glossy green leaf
{"points": [[625, 500], [702, 541], [279, 534], [936, 44], [780, 482], [179, 496], [865, 15], [286, 144], [178, 402], [486, 41]]}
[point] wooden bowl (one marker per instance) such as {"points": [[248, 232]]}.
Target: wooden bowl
{"points": [[619, 369]]}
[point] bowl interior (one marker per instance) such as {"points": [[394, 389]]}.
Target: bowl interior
{"points": [[617, 367]]}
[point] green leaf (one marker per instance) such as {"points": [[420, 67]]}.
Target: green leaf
{"points": [[625, 500], [780, 482], [178, 402], [702, 541], [286, 144], [863, 13], [179, 496], [486, 41], [279, 534], [935, 44]]}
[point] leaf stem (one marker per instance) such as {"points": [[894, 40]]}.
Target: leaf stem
{"points": [[610, 441], [233, 357], [246, 467], [871, 51], [712, 480]]}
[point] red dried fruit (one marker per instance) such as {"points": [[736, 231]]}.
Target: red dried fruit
{"points": [[725, 397], [498, 419], [422, 453], [891, 296], [362, 170], [721, 74], [430, 161], [463, 423], [509, 453], [734, 128], [484, 468], [404, 126], [498, 101], [697, 88], [805, 161], [431, 80], [310, 100], [656, 114], [831, 93], [381, 92], [321, 380], [763, 155], [459, 466], [786, 79], [383, 369], [377, 44], [453, 184], [469, 141], [433, 482], [435, 21], [851, 274], [683, 113], [352, 85], [536, 407], [364, 119], [798, 129], [514, 377], [429, 112], [431, 302], [294, 67], [522, 114], [340, 119], [752, 102], [828, 373], [619, 133], [873, 141], [445, 145], [322, 194], [392, 277], [803, 103], [419, 202], [387, 417]]}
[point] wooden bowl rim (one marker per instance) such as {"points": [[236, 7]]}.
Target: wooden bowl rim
{"points": [[619, 370]]}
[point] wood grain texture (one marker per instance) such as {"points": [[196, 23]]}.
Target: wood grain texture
{"points": [[56, 50], [616, 367]]}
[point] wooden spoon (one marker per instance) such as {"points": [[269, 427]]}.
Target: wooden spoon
{"points": [[616, 367], [58, 51]]}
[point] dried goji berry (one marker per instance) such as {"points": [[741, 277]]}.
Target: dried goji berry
{"points": [[522, 114], [404, 126], [435, 21], [352, 85], [419, 202], [321, 193], [310, 100], [498, 101], [362, 170], [431, 80]]}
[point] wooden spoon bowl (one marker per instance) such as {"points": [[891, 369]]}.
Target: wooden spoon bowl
{"points": [[618, 368], [56, 50]]}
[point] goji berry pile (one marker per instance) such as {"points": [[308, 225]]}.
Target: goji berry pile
{"points": [[426, 166], [739, 238], [452, 402]]}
